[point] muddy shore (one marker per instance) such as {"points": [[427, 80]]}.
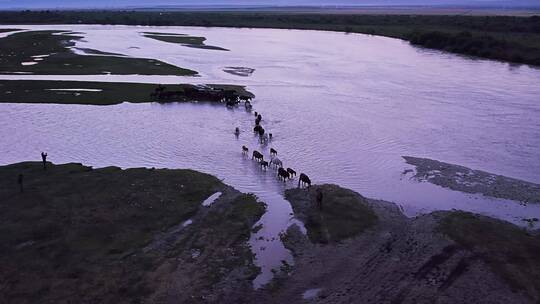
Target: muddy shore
{"points": [[464, 179], [442, 257]]}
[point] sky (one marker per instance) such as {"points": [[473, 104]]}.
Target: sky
{"points": [[35, 4]]}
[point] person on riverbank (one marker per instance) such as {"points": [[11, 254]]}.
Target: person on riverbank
{"points": [[319, 198], [20, 182], [44, 159]]}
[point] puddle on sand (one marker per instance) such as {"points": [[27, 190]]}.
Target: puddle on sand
{"points": [[211, 199], [311, 293]]}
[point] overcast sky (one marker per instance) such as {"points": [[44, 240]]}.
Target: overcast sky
{"points": [[149, 3]]}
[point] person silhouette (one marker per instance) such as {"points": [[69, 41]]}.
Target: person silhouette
{"points": [[44, 159], [20, 182], [319, 198]]}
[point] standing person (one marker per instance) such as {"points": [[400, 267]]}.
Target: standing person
{"points": [[20, 182], [44, 159], [319, 198]]}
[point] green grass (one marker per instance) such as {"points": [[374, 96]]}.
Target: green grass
{"points": [[189, 41], [38, 91], [79, 233], [345, 213], [509, 250], [20, 47], [7, 30]]}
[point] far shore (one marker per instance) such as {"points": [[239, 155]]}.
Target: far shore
{"points": [[508, 37]]}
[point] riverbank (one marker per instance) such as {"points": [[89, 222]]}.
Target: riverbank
{"points": [[445, 257], [180, 236], [505, 38], [110, 93], [112, 235]]}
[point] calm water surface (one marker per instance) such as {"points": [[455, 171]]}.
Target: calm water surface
{"points": [[342, 108]]}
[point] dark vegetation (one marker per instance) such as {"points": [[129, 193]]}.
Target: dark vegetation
{"points": [[116, 236], [185, 40], [344, 214], [508, 250], [39, 91], [20, 47], [7, 30], [507, 38]]}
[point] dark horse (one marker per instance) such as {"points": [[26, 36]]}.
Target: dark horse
{"points": [[245, 150], [264, 164], [257, 156], [273, 151], [291, 172], [257, 128], [283, 174], [304, 179]]}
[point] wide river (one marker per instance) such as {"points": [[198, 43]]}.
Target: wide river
{"points": [[343, 108]]}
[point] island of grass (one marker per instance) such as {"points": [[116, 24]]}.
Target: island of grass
{"points": [[463, 179], [48, 52], [7, 30], [109, 93], [185, 40], [343, 214], [122, 236]]}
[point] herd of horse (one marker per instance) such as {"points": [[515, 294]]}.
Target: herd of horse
{"points": [[275, 162]]}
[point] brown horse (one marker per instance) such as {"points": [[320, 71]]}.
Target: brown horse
{"points": [[264, 164], [245, 150], [283, 174], [273, 151], [304, 179], [291, 172], [257, 156]]}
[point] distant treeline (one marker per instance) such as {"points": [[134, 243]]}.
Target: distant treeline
{"points": [[507, 38]]}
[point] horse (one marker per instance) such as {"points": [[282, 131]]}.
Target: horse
{"points": [[305, 180], [282, 173], [291, 172], [237, 131], [263, 139], [257, 121], [270, 136], [273, 151], [257, 128], [277, 162], [261, 131], [244, 98], [256, 114], [245, 150], [264, 164], [257, 156], [259, 117]]}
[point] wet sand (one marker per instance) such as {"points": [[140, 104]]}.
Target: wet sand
{"points": [[464, 179]]}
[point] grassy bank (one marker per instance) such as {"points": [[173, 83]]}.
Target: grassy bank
{"points": [[48, 52], [506, 38], [111, 235], [509, 251], [344, 213], [98, 93]]}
